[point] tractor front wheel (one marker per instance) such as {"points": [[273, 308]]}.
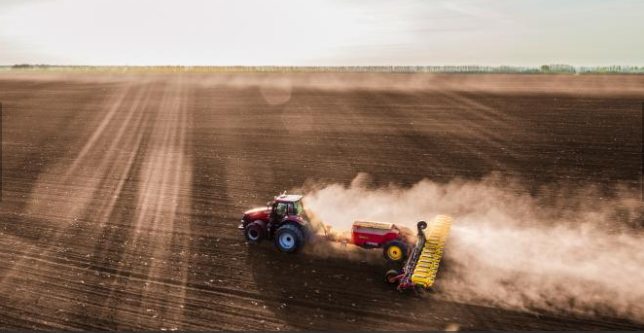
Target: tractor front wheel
{"points": [[255, 232], [395, 251], [289, 238]]}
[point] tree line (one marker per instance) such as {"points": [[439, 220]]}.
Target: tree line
{"points": [[465, 69]]}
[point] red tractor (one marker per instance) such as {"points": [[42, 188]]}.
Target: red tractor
{"points": [[282, 220]]}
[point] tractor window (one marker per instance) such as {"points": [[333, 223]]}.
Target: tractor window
{"points": [[280, 209], [299, 208]]}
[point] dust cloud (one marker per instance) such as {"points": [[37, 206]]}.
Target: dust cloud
{"points": [[561, 250]]}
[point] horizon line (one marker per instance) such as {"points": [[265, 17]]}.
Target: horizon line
{"points": [[327, 66]]}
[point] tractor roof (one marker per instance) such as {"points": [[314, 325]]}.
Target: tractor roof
{"points": [[288, 198]]}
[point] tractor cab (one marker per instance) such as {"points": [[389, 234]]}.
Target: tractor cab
{"points": [[284, 206]]}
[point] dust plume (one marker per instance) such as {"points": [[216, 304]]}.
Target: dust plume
{"points": [[563, 250]]}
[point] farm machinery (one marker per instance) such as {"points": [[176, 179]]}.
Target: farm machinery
{"points": [[416, 257], [283, 220]]}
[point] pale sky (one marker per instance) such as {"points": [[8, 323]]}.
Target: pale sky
{"points": [[322, 32]]}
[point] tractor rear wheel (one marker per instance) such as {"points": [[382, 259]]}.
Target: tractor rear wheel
{"points": [[289, 238], [395, 251]]}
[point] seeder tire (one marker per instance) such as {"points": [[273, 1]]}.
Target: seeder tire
{"points": [[395, 251], [419, 291], [390, 276]]}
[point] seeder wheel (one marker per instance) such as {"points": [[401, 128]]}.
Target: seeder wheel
{"points": [[392, 276], [395, 251], [419, 290]]}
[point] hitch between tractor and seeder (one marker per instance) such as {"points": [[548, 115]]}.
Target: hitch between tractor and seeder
{"points": [[419, 271]]}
